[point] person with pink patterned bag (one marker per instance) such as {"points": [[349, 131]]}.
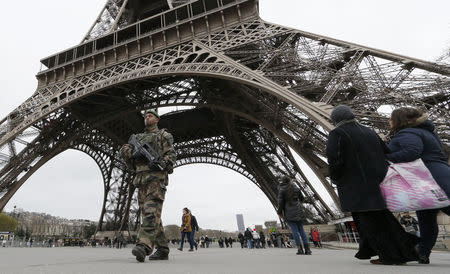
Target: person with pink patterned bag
{"points": [[357, 165], [412, 137]]}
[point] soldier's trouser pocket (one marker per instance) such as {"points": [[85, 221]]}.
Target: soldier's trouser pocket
{"points": [[153, 186]]}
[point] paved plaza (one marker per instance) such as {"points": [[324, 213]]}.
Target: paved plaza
{"points": [[212, 260]]}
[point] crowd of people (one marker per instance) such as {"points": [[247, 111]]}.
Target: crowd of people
{"points": [[65, 242], [251, 238]]}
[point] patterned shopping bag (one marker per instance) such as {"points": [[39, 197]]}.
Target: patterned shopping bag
{"points": [[410, 187]]}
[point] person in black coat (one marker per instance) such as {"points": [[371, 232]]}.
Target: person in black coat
{"points": [[241, 239], [291, 210], [412, 137], [194, 227], [249, 237], [262, 238], [207, 241], [357, 166]]}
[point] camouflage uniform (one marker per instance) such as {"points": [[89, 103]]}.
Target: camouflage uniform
{"points": [[152, 186]]}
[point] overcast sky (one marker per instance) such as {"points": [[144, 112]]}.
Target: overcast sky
{"points": [[70, 185]]}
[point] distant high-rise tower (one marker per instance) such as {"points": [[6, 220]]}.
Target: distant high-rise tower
{"points": [[240, 222]]}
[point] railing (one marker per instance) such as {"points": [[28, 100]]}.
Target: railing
{"points": [[348, 237], [22, 243], [18, 243], [154, 24]]}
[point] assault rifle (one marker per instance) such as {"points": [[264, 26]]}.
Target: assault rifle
{"points": [[145, 151]]}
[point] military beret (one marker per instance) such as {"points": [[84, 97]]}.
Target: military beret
{"points": [[152, 111]]}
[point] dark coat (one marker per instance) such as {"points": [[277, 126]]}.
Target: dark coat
{"points": [[194, 224], [291, 210], [248, 235], [412, 143], [241, 237], [261, 236], [357, 166]]}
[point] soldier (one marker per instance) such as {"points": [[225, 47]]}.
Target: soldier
{"points": [[152, 185]]}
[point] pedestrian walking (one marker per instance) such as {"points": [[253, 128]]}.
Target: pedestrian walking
{"points": [[357, 166], [249, 238], [255, 236], [194, 228], [279, 239], [262, 239], [202, 242], [316, 237], [241, 239], [413, 136], [186, 229], [291, 210], [207, 241]]}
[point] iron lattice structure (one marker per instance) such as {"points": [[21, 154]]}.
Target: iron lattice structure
{"points": [[256, 91]]}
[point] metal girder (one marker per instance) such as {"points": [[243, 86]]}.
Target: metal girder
{"points": [[270, 159], [107, 20]]}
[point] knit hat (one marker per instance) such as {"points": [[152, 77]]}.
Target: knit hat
{"points": [[285, 180], [152, 111], [342, 113]]}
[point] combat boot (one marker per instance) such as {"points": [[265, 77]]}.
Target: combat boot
{"points": [[160, 254], [140, 251], [307, 250], [300, 251]]}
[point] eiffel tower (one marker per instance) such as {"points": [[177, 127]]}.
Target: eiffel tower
{"points": [[254, 92]]}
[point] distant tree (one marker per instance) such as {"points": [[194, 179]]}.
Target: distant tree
{"points": [[20, 233], [172, 232], [89, 231], [110, 226], [7, 223]]}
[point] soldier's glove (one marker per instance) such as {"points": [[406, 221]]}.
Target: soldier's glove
{"points": [[126, 151]]}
